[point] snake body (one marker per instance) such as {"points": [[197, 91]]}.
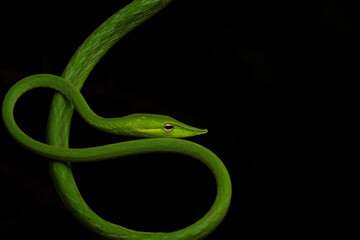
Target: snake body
{"points": [[161, 132]]}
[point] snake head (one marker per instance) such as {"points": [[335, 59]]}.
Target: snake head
{"points": [[154, 125]]}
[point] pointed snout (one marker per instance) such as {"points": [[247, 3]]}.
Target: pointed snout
{"points": [[199, 131]]}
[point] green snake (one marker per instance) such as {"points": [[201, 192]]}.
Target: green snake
{"points": [[159, 133]]}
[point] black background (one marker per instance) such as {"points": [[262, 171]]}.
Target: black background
{"points": [[277, 85]]}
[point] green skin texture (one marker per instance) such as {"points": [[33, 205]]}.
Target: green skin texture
{"points": [[158, 139]]}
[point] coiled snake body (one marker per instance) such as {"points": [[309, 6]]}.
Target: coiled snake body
{"points": [[161, 132]]}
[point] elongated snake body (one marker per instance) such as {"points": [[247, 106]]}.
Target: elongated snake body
{"points": [[161, 132]]}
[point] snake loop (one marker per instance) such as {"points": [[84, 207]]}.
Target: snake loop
{"points": [[163, 129]]}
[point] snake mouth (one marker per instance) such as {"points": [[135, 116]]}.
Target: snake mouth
{"points": [[198, 131]]}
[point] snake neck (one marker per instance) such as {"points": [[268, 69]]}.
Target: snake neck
{"points": [[110, 125]]}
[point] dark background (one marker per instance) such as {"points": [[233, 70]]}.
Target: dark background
{"points": [[277, 85]]}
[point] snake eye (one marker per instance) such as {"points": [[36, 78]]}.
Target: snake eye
{"points": [[168, 127]]}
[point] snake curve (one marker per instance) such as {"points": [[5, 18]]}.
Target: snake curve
{"points": [[57, 147]]}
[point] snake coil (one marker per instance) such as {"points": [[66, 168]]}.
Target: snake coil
{"points": [[68, 86]]}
